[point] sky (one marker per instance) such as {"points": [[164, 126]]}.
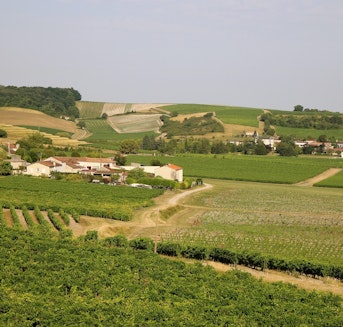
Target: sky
{"points": [[271, 54]]}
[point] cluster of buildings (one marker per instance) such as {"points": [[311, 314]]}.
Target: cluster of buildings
{"points": [[335, 149], [103, 168], [98, 168]]}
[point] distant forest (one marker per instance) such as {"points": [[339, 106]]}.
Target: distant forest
{"points": [[52, 101]]}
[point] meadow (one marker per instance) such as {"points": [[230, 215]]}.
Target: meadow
{"points": [[284, 221], [266, 169]]}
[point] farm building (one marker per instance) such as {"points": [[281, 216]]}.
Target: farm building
{"points": [[169, 171], [73, 165], [43, 168]]}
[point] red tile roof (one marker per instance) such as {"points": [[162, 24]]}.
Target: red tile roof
{"points": [[172, 166]]}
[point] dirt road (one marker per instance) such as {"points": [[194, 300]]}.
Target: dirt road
{"points": [[316, 179]]}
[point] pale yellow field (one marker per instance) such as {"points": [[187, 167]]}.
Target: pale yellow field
{"points": [[11, 118], [28, 117]]}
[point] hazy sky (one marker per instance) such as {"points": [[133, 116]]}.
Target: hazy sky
{"points": [[259, 53]]}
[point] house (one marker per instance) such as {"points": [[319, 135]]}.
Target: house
{"points": [[74, 165], [17, 163], [43, 168], [170, 171]]}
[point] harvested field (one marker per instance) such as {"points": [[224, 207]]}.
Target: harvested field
{"points": [[15, 133], [135, 123], [19, 116]]}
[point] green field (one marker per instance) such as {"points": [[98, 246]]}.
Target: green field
{"points": [[104, 136], [268, 169], [85, 198], [284, 221], [309, 133], [100, 130], [334, 181], [227, 114]]}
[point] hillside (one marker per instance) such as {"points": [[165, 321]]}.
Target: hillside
{"points": [[14, 120]]}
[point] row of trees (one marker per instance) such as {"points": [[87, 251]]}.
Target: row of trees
{"points": [[314, 120], [53, 101]]}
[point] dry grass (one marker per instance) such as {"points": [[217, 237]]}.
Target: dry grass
{"points": [[22, 117], [12, 118]]}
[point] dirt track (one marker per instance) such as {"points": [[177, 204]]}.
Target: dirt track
{"points": [[316, 179]]}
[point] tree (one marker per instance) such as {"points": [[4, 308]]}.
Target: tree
{"points": [[3, 133], [120, 159], [136, 173], [322, 138], [104, 116], [286, 149], [81, 124], [129, 146], [298, 107], [5, 168], [260, 148]]}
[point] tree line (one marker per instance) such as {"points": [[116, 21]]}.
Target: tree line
{"points": [[315, 120], [52, 101]]}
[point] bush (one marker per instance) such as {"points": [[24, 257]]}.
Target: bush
{"points": [[117, 241], [223, 256], [194, 252], [91, 235], [142, 243], [170, 249]]}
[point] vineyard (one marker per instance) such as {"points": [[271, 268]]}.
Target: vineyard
{"points": [[266, 169], [282, 221], [53, 281], [102, 200], [40, 221]]}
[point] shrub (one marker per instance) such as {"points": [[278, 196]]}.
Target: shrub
{"points": [[91, 236], [194, 252], [142, 243], [170, 249], [118, 241]]}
